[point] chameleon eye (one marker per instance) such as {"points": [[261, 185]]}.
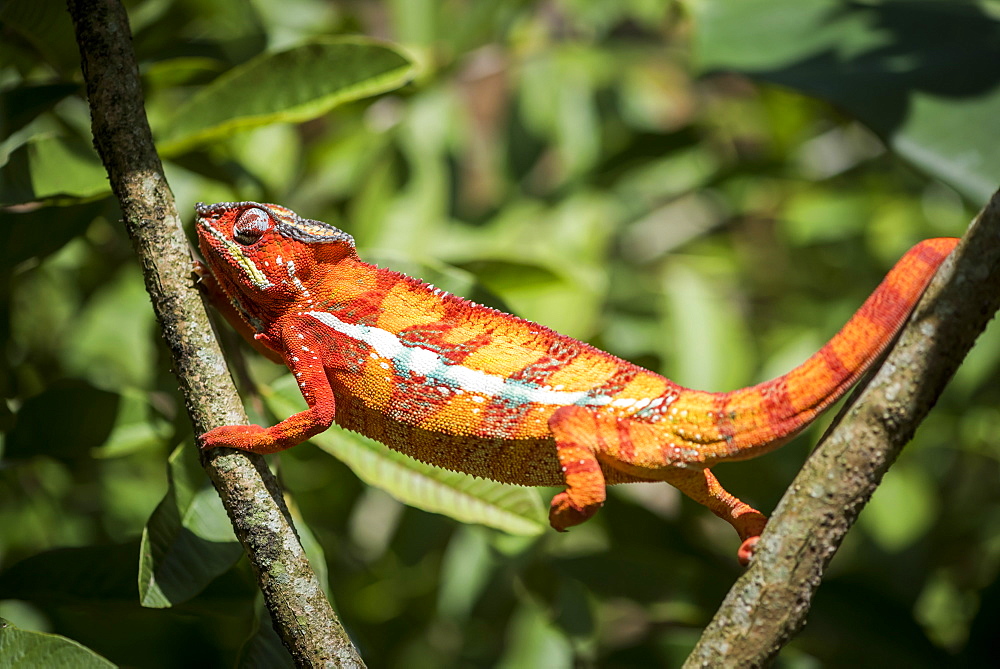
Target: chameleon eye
{"points": [[251, 226]]}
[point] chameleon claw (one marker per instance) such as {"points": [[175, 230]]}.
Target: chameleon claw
{"points": [[563, 513], [746, 550]]}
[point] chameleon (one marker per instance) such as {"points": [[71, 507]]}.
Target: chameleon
{"points": [[472, 389]]}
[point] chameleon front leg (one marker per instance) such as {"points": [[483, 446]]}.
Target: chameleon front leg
{"points": [[702, 486], [315, 386], [574, 430]]}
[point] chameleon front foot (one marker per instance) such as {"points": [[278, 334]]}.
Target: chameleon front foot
{"points": [[563, 513], [244, 437]]}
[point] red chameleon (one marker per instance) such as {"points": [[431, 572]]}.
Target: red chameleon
{"points": [[472, 389]]}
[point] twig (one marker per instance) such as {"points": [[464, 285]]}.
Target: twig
{"points": [[769, 603], [301, 614]]}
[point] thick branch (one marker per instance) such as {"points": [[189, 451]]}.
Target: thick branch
{"points": [[769, 603], [300, 612]]}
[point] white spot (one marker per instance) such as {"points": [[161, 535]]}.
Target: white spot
{"points": [[423, 361]]}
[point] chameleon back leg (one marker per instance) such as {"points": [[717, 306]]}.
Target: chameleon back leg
{"points": [[585, 439], [576, 432], [702, 486]]}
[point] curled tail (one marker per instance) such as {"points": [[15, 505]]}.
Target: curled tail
{"points": [[757, 419]]}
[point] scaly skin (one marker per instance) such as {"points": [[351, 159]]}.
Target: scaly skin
{"points": [[475, 390]]}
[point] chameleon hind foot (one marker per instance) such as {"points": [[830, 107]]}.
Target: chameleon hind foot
{"points": [[563, 513], [702, 486]]}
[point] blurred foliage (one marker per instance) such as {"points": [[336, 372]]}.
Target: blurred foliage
{"points": [[599, 167]]}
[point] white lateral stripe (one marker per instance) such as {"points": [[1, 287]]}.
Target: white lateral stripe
{"points": [[429, 363]]}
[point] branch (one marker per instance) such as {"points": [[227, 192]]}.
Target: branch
{"points": [[299, 610], [769, 603]]}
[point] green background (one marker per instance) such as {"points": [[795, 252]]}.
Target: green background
{"points": [[706, 188]]}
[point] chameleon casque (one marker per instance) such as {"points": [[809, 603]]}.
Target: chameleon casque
{"points": [[472, 389]]}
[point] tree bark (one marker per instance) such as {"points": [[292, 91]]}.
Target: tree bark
{"points": [[768, 605], [299, 609]]}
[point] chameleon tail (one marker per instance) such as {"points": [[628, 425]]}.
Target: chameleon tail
{"points": [[760, 418]]}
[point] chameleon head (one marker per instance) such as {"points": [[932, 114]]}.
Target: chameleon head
{"points": [[265, 252]]}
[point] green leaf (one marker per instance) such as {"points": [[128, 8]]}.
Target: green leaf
{"points": [[65, 421], [111, 345], [22, 648], [19, 106], [921, 74], [19, 238], [704, 340], [289, 86], [532, 640], [188, 540], [46, 27], [469, 500], [95, 575], [902, 508], [51, 167], [264, 647]]}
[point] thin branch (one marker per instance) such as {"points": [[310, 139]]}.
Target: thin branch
{"points": [[768, 605], [301, 614]]}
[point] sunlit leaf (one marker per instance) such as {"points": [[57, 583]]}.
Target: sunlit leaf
{"points": [[902, 508], [289, 86], [704, 340], [50, 167], [509, 508]]}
